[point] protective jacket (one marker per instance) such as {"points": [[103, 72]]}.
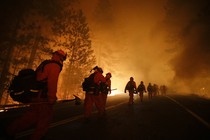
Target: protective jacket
{"points": [[51, 74], [40, 114]]}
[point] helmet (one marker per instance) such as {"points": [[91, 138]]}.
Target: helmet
{"points": [[95, 68], [109, 74], [100, 70], [131, 78], [61, 53]]}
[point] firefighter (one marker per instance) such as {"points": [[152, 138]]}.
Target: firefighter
{"points": [[131, 87], [155, 90], [150, 90], [41, 112], [141, 89], [163, 89], [106, 89], [93, 96]]}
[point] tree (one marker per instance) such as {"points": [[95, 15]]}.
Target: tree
{"points": [[22, 36], [11, 15], [39, 27], [72, 33]]}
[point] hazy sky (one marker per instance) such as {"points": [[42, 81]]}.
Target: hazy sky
{"points": [[157, 41]]}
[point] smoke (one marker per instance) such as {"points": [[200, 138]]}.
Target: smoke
{"points": [[188, 23], [163, 42]]}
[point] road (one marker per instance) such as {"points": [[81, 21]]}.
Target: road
{"points": [[174, 117]]}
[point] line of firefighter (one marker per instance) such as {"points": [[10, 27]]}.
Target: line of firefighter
{"points": [[152, 90], [97, 94]]}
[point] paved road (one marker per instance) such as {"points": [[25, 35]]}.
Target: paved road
{"points": [[161, 118]]}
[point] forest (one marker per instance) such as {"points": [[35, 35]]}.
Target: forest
{"points": [[31, 30], [159, 41]]}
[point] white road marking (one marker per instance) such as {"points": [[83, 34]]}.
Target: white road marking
{"points": [[29, 132], [189, 111]]}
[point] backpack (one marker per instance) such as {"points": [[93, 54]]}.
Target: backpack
{"points": [[141, 88], [89, 86], [24, 87], [150, 89], [130, 86]]}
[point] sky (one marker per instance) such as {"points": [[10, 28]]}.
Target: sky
{"points": [[157, 41]]}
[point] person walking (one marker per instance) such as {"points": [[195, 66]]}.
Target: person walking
{"points": [[163, 89], [155, 90], [131, 87], [41, 109], [93, 94], [150, 90], [141, 89]]}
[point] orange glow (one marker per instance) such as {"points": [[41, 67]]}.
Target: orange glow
{"points": [[115, 92], [143, 40]]}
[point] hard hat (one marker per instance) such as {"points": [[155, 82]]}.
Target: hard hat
{"points": [[109, 74], [100, 70], [95, 68], [61, 53]]}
